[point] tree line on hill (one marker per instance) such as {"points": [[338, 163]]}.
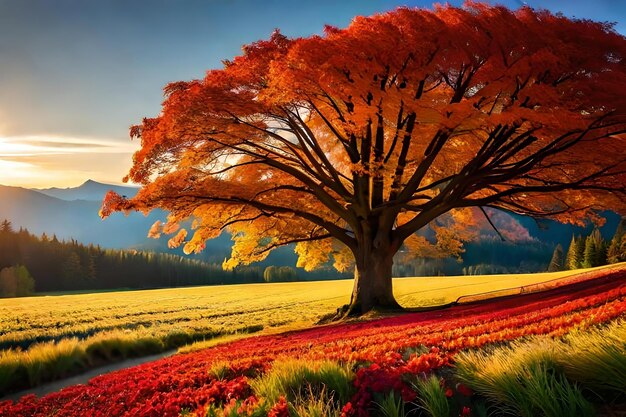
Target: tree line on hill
{"points": [[29, 263], [591, 250]]}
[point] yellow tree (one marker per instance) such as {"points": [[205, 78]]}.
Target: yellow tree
{"points": [[350, 143]]}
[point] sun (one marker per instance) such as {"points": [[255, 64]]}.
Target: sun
{"points": [[14, 170], [9, 147]]}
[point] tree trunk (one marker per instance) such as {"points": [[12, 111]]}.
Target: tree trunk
{"points": [[372, 281]]}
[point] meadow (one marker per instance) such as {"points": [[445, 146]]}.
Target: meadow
{"points": [[49, 337], [554, 353]]}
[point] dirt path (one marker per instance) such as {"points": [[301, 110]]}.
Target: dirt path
{"points": [[83, 378]]}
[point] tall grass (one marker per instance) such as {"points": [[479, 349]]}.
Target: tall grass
{"points": [[314, 404], [526, 389], [47, 361], [596, 358], [547, 377], [391, 405], [297, 381], [42, 362], [552, 395], [432, 397]]}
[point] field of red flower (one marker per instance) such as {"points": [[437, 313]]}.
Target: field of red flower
{"points": [[387, 350]]}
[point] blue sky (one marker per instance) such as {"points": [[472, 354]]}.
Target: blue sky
{"points": [[75, 74]]}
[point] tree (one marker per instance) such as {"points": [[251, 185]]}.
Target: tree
{"points": [[350, 143], [8, 283], [557, 262], [16, 281], [25, 282], [590, 253], [572, 261], [9, 251], [580, 250], [6, 226], [599, 256], [595, 250], [615, 252], [72, 271]]}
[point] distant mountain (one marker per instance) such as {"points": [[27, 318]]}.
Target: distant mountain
{"points": [[77, 219], [72, 213], [90, 191]]}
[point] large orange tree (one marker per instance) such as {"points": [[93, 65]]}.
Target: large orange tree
{"points": [[353, 143]]}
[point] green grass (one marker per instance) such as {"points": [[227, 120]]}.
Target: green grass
{"points": [[37, 332], [391, 405], [300, 382], [432, 397], [602, 367], [550, 377]]}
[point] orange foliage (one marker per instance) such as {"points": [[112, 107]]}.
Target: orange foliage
{"points": [[365, 135]]}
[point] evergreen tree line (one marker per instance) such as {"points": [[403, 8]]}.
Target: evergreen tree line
{"points": [[55, 265], [592, 250]]}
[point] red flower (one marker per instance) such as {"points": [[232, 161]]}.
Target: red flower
{"points": [[280, 409], [464, 389], [347, 410]]}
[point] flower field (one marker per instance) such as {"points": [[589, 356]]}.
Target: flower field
{"points": [[50, 337], [387, 355]]}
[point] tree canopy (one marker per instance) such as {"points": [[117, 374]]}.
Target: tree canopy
{"points": [[393, 132]]}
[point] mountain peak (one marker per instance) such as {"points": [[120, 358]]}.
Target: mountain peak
{"points": [[90, 190], [91, 183]]}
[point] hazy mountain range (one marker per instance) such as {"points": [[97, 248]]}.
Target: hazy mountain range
{"points": [[89, 190], [72, 213]]}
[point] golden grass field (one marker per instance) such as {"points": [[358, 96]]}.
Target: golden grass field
{"points": [[218, 309]]}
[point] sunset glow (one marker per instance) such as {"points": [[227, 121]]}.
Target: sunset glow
{"points": [[50, 161]]}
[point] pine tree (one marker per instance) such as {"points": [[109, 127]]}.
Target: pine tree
{"points": [[590, 253], [6, 226], [556, 264], [8, 282], [580, 251], [599, 254], [622, 250], [614, 252], [572, 261], [72, 273]]}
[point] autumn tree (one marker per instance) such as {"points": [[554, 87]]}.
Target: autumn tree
{"points": [[392, 133]]}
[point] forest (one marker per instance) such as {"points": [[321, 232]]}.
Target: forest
{"points": [[56, 265]]}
